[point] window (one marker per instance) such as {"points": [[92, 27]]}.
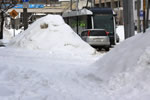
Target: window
{"points": [[98, 33], [104, 22]]}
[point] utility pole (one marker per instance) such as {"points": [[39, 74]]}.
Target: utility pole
{"points": [[70, 4], [118, 12], [100, 5], [144, 8], [1, 24], [105, 3], [25, 18], [92, 3], [87, 3], [77, 5], [128, 18], [138, 16], [25, 14], [147, 16]]}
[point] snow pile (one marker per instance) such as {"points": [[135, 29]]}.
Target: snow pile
{"points": [[7, 34], [53, 34], [6, 37], [120, 32], [125, 71]]}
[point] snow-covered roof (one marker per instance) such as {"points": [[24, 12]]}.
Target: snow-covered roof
{"points": [[80, 12]]}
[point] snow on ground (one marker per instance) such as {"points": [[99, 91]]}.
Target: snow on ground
{"points": [[37, 75], [120, 32], [55, 36], [32, 70], [43, 64]]}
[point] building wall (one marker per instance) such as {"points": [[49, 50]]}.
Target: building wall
{"points": [[141, 9], [40, 1], [107, 3]]}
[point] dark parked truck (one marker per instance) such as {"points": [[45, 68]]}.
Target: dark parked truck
{"points": [[104, 18], [92, 18]]}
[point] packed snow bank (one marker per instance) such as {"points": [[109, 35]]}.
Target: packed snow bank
{"points": [[124, 72], [53, 34]]}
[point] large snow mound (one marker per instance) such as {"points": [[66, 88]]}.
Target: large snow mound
{"points": [[53, 34], [124, 72]]}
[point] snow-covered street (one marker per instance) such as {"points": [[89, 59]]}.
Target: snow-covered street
{"points": [[55, 64], [29, 75]]}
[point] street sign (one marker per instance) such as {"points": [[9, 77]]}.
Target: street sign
{"points": [[141, 13], [13, 13], [25, 0], [25, 4]]}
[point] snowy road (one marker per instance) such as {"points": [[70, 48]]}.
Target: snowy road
{"points": [[36, 59], [40, 75]]}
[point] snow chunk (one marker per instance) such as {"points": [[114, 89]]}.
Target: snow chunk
{"points": [[53, 34]]}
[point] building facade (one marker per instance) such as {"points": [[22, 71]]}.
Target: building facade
{"points": [[107, 3]]}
